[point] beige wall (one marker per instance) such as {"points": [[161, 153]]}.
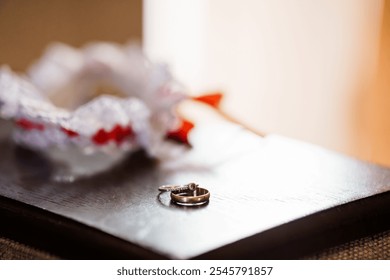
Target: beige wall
{"points": [[300, 68], [27, 26], [375, 115]]}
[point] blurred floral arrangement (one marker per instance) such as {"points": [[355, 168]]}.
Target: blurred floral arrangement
{"points": [[103, 97]]}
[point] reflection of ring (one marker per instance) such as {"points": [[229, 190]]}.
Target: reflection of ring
{"points": [[191, 197]]}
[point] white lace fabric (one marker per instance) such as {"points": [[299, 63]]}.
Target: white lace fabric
{"points": [[102, 97]]}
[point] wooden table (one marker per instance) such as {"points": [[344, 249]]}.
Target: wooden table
{"points": [[271, 197]]}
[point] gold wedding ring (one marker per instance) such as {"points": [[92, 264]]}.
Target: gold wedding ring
{"points": [[171, 188], [191, 197]]}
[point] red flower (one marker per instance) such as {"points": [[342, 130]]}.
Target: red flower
{"points": [[212, 99], [29, 125], [117, 134], [181, 134], [69, 132]]}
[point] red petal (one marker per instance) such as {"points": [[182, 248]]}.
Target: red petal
{"points": [[119, 133], [181, 134], [213, 99], [127, 131], [101, 137], [29, 125], [115, 133], [69, 132]]}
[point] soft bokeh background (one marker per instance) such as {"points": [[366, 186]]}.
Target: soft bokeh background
{"points": [[318, 71], [312, 70], [26, 26]]}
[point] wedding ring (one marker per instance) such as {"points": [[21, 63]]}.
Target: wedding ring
{"points": [[191, 197], [171, 188]]}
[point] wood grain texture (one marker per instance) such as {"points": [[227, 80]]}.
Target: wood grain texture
{"points": [[268, 196]]}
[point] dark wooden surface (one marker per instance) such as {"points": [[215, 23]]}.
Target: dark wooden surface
{"points": [[271, 197]]}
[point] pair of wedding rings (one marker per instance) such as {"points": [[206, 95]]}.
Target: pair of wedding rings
{"points": [[189, 194]]}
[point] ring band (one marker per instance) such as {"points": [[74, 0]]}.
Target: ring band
{"points": [[171, 188], [189, 197]]}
